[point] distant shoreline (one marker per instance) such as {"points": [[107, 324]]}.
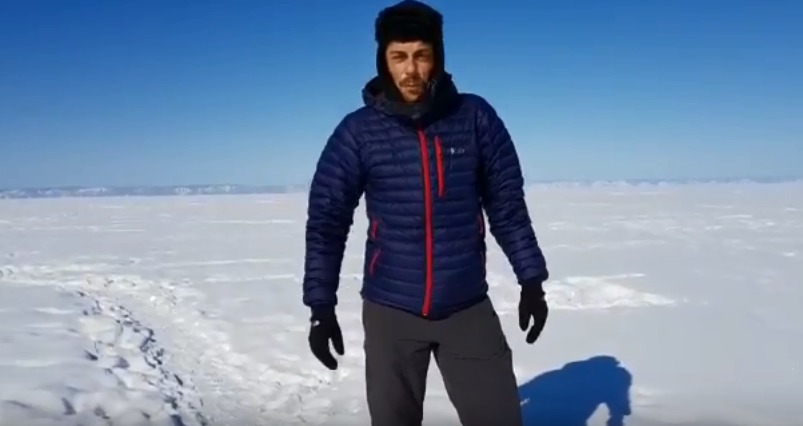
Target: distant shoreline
{"points": [[238, 189]]}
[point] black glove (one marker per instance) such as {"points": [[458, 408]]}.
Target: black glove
{"points": [[325, 328], [532, 305]]}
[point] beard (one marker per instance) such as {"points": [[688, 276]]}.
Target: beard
{"points": [[412, 88], [412, 83]]}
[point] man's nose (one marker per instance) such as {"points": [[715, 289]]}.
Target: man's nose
{"points": [[410, 67]]}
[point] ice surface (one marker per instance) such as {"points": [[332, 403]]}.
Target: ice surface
{"points": [[670, 305]]}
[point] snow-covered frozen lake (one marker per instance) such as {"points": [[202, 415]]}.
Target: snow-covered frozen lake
{"points": [[670, 305]]}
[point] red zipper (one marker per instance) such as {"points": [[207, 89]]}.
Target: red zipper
{"points": [[481, 221], [422, 143], [378, 250], [439, 165], [374, 224], [374, 258]]}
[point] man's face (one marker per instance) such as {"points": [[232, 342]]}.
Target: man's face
{"points": [[410, 64]]}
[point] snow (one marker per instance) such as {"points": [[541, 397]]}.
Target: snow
{"points": [[671, 304]]}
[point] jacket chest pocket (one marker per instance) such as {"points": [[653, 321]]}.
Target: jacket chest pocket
{"points": [[456, 165]]}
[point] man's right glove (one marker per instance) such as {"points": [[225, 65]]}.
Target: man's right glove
{"points": [[324, 329], [532, 305]]}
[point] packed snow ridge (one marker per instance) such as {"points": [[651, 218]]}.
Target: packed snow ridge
{"points": [[120, 377]]}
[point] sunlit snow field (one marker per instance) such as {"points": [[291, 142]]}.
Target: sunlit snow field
{"points": [[670, 305]]}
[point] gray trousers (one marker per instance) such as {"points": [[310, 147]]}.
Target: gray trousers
{"points": [[470, 349]]}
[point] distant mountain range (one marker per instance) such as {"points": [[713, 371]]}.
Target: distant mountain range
{"points": [[144, 191], [235, 189]]}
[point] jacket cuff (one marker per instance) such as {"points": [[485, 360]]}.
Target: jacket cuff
{"points": [[322, 312], [533, 286], [537, 279]]}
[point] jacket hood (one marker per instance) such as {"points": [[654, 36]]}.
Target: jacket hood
{"points": [[439, 99]]}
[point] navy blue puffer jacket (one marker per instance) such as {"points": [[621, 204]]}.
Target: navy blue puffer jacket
{"points": [[426, 180]]}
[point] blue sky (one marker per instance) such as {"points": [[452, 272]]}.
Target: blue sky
{"points": [[124, 92]]}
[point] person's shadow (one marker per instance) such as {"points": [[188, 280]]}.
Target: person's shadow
{"points": [[570, 396]]}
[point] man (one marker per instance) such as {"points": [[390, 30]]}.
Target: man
{"points": [[428, 160]]}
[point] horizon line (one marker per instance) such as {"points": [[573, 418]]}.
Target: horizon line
{"points": [[758, 179]]}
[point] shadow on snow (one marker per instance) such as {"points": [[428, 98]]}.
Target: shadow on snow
{"points": [[570, 395]]}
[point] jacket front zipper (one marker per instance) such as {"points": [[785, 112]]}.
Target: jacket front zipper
{"points": [[422, 144]]}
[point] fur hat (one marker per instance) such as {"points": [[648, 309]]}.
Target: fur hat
{"points": [[409, 20]]}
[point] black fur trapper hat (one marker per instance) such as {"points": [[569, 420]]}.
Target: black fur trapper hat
{"points": [[406, 21]]}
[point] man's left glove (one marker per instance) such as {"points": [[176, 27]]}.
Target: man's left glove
{"points": [[532, 305], [325, 330]]}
